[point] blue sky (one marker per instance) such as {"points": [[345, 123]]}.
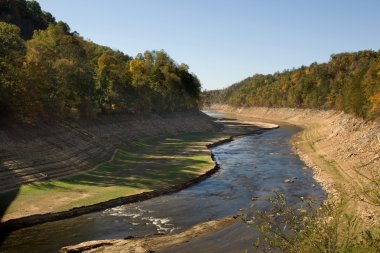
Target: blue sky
{"points": [[226, 41]]}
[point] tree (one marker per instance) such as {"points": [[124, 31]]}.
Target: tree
{"points": [[61, 77], [58, 74], [348, 82], [375, 108], [12, 52]]}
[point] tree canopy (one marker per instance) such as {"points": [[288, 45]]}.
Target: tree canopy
{"points": [[27, 15], [58, 74], [349, 82]]}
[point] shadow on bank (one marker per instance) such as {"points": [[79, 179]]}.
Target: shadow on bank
{"points": [[6, 199]]}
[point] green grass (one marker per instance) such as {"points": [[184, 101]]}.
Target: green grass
{"points": [[150, 164]]}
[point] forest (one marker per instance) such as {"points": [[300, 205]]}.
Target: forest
{"points": [[57, 74], [349, 82]]}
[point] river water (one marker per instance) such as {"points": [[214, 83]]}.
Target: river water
{"points": [[251, 166]]}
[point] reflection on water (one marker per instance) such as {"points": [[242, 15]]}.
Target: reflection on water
{"points": [[251, 167]]}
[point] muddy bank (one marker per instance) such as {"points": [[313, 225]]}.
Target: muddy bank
{"points": [[153, 242], [342, 150], [37, 152]]}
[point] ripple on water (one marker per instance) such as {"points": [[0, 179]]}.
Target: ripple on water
{"points": [[140, 216]]}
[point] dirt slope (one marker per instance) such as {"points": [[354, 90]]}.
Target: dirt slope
{"points": [[30, 153]]}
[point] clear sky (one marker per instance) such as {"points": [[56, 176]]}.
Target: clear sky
{"points": [[225, 41]]}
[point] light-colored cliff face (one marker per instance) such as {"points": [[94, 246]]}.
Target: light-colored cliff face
{"points": [[342, 150], [32, 153]]}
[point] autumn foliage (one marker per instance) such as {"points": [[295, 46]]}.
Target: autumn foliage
{"points": [[349, 82], [58, 74]]}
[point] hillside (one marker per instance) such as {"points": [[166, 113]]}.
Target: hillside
{"points": [[56, 74], [68, 104], [349, 82]]}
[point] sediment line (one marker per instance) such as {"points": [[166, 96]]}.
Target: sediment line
{"points": [[28, 221]]}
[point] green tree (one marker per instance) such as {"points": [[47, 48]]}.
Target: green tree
{"points": [[112, 82], [12, 52], [348, 82], [59, 72]]}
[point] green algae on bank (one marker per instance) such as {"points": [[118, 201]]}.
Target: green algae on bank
{"points": [[150, 164]]}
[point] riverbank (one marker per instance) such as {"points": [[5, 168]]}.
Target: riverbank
{"points": [[343, 152], [34, 159], [47, 168], [151, 168], [323, 133], [154, 242], [35, 152]]}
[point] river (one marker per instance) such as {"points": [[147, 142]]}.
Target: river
{"points": [[251, 166]]}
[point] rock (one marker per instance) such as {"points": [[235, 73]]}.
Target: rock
{"points": [[289, 180]]}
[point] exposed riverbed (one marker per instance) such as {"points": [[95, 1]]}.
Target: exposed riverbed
{"points": [[251, 166]]}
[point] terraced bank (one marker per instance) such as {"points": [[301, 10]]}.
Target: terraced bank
{"points": [[36, 158]]}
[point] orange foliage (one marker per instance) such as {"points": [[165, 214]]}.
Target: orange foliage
{"points": [[375, 100]]}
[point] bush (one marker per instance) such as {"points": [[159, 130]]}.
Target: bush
{"points": [[306, 227]]}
